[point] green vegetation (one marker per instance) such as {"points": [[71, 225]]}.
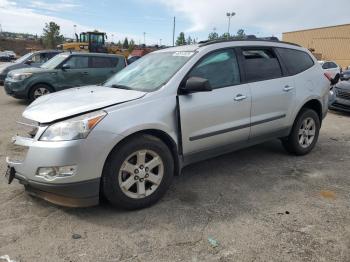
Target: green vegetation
{"points": [[51, 35], [239, 35]]}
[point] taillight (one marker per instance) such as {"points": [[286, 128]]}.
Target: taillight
{"points": [[328, 76]]}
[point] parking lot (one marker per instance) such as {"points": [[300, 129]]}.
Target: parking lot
{"points": [[258, 204]]}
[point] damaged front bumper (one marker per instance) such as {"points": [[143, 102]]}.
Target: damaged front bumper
{"points": [[78, 190]]}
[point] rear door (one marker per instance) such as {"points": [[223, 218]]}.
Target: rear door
{"points": [[76, 75], [103, 67], [218, 118], [272, 93]]}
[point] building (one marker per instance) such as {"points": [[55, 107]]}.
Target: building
{"points": [[327, 43]]}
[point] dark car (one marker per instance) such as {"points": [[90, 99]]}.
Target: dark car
{"points": [[5, 57], [340, 97], [34, 59], [64, 71], [345, 75]]}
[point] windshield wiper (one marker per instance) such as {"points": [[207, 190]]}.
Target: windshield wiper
{"points": [[120, 87]]}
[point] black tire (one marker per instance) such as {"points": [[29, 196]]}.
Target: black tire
{"points": [[291, 143], [110, 183], [36, 87]]}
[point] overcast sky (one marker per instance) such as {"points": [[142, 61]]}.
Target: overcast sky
{"points": [[196, 18]]}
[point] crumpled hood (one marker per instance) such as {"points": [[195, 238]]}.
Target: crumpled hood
{"points": [[75, 101]]}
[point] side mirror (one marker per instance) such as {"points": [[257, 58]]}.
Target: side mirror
{"points": [[29, 62], [65, 67], [196, 84]]}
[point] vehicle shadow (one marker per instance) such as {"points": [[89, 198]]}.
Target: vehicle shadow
{"points": [[229, 184], [340, 113]]}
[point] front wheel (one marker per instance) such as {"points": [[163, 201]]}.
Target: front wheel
{"points": [[38, 91], [304, 134], [137, 173]]}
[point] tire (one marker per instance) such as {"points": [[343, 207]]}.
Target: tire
{"points": [[129, 152], [299, 141], [39, 87]]}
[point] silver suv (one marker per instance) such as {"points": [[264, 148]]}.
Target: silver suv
{"points": [[126, 140]]}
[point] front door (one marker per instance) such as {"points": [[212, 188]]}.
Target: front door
{"points": [[220, 117], [76, 75]]}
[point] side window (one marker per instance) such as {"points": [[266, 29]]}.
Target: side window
{"points": [[261, 64], [325, 66], [36, 58], [332, 65], [78, 62], [121, 63], [50, 55], [220, 68], [296, 61], [102, 62]]}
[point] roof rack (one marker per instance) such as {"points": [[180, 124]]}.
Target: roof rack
{"points": [[247, 38]]}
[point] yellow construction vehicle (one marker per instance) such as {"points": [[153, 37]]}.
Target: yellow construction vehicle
{"points": [[93, 42]]}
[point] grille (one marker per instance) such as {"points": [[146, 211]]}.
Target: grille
{"points": [[343, 94]]}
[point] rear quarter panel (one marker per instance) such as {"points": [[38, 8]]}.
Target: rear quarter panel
{"points": [[311, 84]]}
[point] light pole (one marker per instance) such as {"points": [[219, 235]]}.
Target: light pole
{"points": [[160, 42], [229, 15], [144, 38], [75, 31]]}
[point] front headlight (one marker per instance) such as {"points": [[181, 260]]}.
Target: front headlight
{"points": [[74, 128], [20, 76]]}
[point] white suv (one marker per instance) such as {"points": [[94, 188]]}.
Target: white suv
{"points": [[127, 138], [331, 68]]}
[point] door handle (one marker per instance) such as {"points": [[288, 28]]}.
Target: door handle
{"points": [[287, 88], [240, 97], [84, 73]]}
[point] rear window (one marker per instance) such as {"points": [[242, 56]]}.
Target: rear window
{"points": [[296, 61], [104, 62], [260, 64]]}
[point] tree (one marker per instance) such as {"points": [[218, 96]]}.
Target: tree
{"points": [[225, 35], [131, 45], [189, 40], [181, 39], [240, 34], [51, 35], [126, 43], [213, 36], [119, 44]]}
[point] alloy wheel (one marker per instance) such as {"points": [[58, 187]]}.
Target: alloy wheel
{"points": [[307, 131], [40, 92], [141, 173]]}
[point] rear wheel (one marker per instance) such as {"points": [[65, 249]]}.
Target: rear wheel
{"points": [[304, 134], [39, 90], [138, 173]]}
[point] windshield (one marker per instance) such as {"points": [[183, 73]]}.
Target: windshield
{"points": [[54, 62], [23, 58], [150, 72]]}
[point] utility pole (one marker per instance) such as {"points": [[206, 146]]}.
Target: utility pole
{"points": [[144, 38], [229, 15], [174, 32], [75, 31], [160, 42]]}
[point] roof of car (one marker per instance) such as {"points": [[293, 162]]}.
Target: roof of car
{"points": [[92, 54], [194, 47], [48, 51], [273, 40]]}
